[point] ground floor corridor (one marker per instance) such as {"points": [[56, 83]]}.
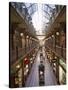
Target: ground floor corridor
{"points": [[33, 78]]}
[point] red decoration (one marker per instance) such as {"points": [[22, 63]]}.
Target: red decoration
{"points": [[26, 61]]}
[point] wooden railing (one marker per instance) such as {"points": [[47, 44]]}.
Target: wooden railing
{"points": [[21, 52], [58, 50]]}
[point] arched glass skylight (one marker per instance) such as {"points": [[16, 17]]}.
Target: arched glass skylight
{"points": [[38, 14], [42, 17]]}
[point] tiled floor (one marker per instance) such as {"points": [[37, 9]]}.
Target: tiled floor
{"points": [[33, 79]]}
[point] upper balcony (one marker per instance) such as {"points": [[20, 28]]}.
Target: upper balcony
{"points": [[57, 20], [21, 17]]}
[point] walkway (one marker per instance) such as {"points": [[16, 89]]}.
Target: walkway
{"points": [[33, 79]]}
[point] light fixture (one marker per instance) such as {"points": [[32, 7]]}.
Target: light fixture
{"points": [[41, 72], [57, 33], [31, 62], [27, 36], [23, 6], [18, 66], [55, 57], [50, 58], [25, 59], [52, 35], [30, 59], [26, 66], [21, 34]]}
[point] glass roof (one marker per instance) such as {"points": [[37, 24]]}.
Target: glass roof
{"points": [[42, 17], [39, 15], [31, 8]]}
